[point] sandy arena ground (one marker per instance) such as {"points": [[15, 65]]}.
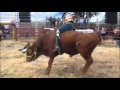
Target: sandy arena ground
{"points": [[13, 65]]}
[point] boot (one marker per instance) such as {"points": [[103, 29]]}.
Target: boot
{"points": [[57, 47]]}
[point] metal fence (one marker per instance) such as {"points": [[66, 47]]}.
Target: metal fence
{"points": [[111, 32], [35, 28], [30, 30]]}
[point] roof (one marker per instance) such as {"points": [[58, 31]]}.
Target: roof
{"points": [[5, 22]]}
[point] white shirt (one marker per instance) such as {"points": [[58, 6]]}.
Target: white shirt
{"points": [[81, 20], [103, 31]]}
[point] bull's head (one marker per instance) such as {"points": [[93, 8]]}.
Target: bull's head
{"points": [[30, 51]]}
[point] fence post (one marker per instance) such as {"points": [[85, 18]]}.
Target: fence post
{"points": [[118, 19], [36, 29]]}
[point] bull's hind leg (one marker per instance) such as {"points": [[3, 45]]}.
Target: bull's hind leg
{"points": [[89, 61], [87, 56]]}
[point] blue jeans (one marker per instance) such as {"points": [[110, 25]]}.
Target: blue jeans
{"points": [[65, 27], [82, 25]]}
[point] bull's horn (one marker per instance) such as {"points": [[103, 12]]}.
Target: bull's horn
{"points": [[24, 50], [20, 49]]}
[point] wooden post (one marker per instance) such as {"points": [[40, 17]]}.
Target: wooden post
{"points": [[36, 29], [14, 29], [15, 32]]}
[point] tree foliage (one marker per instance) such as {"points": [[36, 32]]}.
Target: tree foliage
{"points": [[88, 14], [52, 21]]}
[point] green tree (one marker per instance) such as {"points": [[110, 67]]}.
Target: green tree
{"points": [[84, 14], [52, 21]]}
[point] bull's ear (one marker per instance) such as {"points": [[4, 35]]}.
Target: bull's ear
{"points": [[28, 44]]}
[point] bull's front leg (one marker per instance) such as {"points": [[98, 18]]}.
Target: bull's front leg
{"points": [[89, 61], [49, 65]]}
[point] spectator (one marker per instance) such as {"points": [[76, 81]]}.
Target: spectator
{"points": [[117, 36], [81, 22], [0, 34], [102, 34], [103, 31], [4, 33], [47, 22], [85, 21], [116, 32], [118, 42], [26, 35]]}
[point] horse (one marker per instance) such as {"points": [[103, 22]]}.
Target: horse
{"points": [[71, 42]]}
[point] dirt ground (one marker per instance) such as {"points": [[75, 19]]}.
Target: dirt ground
{"points": [[13, 65]]}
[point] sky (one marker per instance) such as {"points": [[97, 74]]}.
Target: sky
{"points": [[38, 16]]}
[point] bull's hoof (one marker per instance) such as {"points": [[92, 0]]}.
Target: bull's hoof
{"points": [[47, 73], [83, 72]]}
